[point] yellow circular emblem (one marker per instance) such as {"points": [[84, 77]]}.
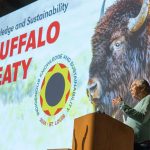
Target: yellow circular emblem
{"points": [[55, 89]]}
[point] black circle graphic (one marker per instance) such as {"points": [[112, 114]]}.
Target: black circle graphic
{"points": [[55, 89]]}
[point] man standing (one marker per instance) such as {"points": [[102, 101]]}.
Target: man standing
{"points": [[139, 116]]}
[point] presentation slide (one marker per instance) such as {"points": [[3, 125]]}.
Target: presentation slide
{"points": [[60, 60]]}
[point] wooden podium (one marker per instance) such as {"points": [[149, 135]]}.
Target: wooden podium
{"points": [[101, 132]]}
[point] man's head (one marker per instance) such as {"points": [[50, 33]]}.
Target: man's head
{"points": [[139, 89]]}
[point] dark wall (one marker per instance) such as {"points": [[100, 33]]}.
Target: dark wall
{"points": [[8, 6]]}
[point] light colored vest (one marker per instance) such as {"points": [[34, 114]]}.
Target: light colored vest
{"points": [[139, 119]]}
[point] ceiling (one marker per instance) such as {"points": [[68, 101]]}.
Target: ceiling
{"points": [[8, 6]]}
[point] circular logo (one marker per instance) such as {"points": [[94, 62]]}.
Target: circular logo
{"points": [[55, 89]]}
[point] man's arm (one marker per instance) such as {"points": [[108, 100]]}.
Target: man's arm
{"points": [[136, 115]]}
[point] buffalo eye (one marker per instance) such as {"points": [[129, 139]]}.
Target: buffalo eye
{"points": [[117, 44]]}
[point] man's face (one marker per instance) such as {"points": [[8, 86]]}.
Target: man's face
{"points": [[135, 90]]}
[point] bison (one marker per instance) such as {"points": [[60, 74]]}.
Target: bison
{"points": [[120, 52]]}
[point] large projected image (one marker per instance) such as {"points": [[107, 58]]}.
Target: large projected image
{"points": [[52, 56], [121, 54]]}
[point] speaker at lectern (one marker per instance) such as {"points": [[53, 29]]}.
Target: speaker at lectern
{"points": [[98, 131]]}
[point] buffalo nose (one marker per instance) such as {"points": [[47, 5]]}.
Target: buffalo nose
{"points": [[93, 91], [91, 86]]}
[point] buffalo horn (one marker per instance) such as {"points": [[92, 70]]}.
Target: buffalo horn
{"points": [[136, 23], [102, 9]]}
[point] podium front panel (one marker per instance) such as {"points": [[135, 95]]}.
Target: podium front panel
{"points": [[101, 132]]}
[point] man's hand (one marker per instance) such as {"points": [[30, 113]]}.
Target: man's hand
{"points": [[117, 101]]}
